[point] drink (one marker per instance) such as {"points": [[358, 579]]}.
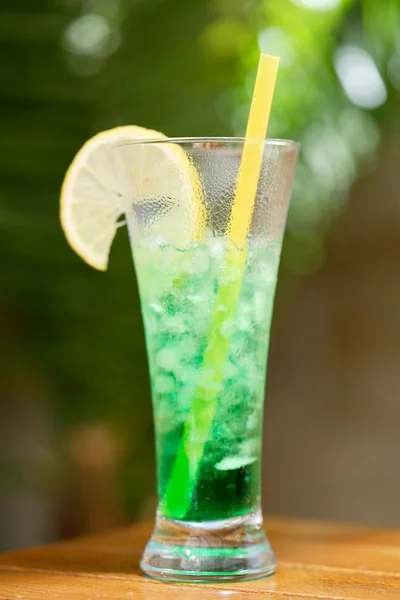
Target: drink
{"points": [[207, 306], [178, 294], [206, 220]]}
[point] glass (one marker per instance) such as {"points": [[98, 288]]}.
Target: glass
{"points": [[207, 307]]}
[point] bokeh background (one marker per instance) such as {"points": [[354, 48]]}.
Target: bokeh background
{"points": [[76, 445]]}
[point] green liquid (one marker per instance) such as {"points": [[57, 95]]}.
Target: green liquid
{"points": [[178, 292]]}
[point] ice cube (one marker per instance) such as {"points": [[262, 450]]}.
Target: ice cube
{"points": [[173, 324], [268, 270], [201, 260], [249, 368], [217, 247], [168, 260], [244, 318], [168, 358], [250, 447], [252, 421], [164, 384], [231, 463], [228, 327], [229, 370], [188, 375], [208, 380], [265, 271], [189, 349], [156, 306], [165, 418]]}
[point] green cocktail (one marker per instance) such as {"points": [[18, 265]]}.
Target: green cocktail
{"points": [[178, 293], [207, 306], [206, 219]]}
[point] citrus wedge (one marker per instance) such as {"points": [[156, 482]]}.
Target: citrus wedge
{"points": [[154, 185]]}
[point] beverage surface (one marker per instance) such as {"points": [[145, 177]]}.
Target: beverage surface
{"points": [[178, 291]]}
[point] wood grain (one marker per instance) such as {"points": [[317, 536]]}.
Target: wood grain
{"points": [[317, 561]]}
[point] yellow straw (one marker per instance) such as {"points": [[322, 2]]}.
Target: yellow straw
{"points": [[183, 478], [252, 155]]}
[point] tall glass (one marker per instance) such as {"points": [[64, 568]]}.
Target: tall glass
{"points": [[207, 307]]}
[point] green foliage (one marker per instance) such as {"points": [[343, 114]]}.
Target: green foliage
{"points": [[71, 68]]}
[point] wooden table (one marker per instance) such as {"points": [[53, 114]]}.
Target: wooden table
{"points": [[316, 561]]}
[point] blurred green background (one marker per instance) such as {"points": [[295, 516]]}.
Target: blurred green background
{"points": [[76, 446]]}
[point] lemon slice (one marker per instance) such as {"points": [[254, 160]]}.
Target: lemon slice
{"points": [[154, 185]]}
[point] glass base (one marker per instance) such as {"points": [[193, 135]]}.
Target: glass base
{"points": [[230, 550]]}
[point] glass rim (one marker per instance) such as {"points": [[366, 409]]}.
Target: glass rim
{"points": [[213, 139]]}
